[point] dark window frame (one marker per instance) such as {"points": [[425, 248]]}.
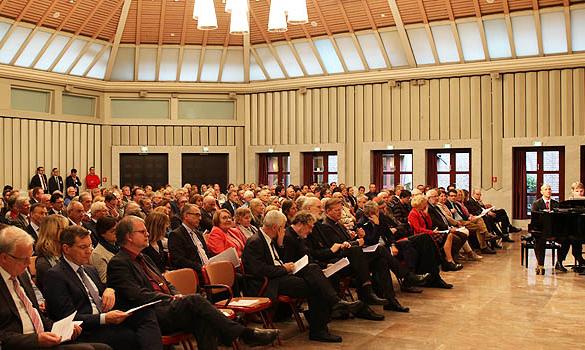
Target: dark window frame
{"points": [[432, 171], [378, 172], [264, 172], [310, 175]]}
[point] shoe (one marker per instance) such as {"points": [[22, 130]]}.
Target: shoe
{"points": [[559, 267], [507, 239], [578, 268], [513, 229], [527, 237], [473, 256], [540, 270], [410, 289], [347, 306], [259, 337], [487, 250], [496, 243], [412, 279], [325, 337], [367, 313], [451, 266], [395, 306], [370, 298], [440, 283]]}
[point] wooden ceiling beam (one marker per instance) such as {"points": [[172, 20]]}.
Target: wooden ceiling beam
{"points": [[246, 42], [479, 21], [117, 38], [430, 37], [226, 42], [186, 16], [161, 30], [454, 30], [567, 12], [509, 30], [376, 34], [268, 43], [538, 26], [402, 33], [96, 59], [202, 55], [139, 22], [15, 24], [330, 34]]}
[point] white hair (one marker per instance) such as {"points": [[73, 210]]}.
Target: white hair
{"points": [[273, 218], [11, 236]]}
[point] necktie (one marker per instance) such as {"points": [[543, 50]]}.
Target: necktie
{"points": [[30, 310], [93, 293], [200, 249], [277, 260], [546, 203], [153, 276], [43, 183]]}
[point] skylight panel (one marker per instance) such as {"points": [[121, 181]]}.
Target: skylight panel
{"points": [[293, 69], [329, 56], [210, 69], [32, 49], [87, 59], [372, 51], [190, 65], [577, 29], [270, 63], [147, 64], [52, 52], [98, 70], [497, 38], [421, 47], [168, 64], [471, 42], [233, 67], [554, 35], [124, 66], [349, 53], [525, 39], [13, 43], [445, 42], [394, 49], [70, 55], [255, 70], [4, 27], [308, 58]]}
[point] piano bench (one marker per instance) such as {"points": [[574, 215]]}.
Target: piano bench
{"points": [[527, 245]]}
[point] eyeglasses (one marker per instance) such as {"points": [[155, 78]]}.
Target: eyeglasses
{"points": [[196, 214], [20, 260], [144, 232]]}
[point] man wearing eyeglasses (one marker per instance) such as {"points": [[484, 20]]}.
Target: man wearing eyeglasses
{"points": [[74, 285], [22, 326]]}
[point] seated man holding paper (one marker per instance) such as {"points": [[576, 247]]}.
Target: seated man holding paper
{"points": [[22, 326], [261, 258], [476, 206], [74, 285], [137, 281]]}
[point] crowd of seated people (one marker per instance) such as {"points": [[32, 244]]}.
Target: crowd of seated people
{"points": [[107, 250]]}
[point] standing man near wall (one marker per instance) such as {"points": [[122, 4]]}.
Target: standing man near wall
{"points": [[73, 181], [92, 180]]}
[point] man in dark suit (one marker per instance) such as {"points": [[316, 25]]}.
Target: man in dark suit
{"points": [[39, 180], [73, 181], [20, 211], [37, 194], [74, 285], [545, 204], [475, 206], [38, 212], [261, 259], [207, 210], [56, 201], [137, 281], [401, 207], [22, 326], [98, 210], [56, 182], [187, 247], [232, 203]]}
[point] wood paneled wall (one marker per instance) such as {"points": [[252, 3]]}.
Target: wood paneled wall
{"points": [[488, 108]]}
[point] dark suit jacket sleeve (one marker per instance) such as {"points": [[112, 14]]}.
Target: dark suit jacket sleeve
{"points": [[254, 261], [59, 298], [473, 207], [181, 251], [42, 265], [319, 249]]}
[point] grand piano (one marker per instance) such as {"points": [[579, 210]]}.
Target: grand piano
{"points": [[566, 221]]}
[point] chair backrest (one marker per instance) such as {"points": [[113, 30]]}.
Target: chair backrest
{"points": [[185, 280], [220, 272]]}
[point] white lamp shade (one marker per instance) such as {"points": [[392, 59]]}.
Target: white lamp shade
{"points": [[205, 12], [297, 12], [277, 16], [239, 19], [229, 4]]}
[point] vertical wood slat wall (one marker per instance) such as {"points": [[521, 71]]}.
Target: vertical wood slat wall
{"points": [[484, 108]]}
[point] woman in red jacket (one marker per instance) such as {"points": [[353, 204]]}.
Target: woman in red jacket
{"points": [[223, 235], [420, 221]]}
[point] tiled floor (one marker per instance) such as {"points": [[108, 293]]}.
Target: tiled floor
{"points": [[495, 304]]}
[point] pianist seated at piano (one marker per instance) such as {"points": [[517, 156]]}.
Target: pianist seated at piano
{"points": [[562, 222]]}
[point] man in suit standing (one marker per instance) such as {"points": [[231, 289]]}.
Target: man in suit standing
{"points": [[22, 326], [74, 285], [187, 247], [232, 202], [39, 180], [56, 182], [137, 281], [73, 181], [38, 212]]}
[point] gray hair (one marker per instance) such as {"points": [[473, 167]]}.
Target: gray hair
{"points": [[125, 227], [273, 218], [11, 236], [371, 208], [309, 202], [72, 204], [98, 206]]}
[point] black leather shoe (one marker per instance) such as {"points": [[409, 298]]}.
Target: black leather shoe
{"points": [[368, 296], [347, 306], [412, 279], [325, 337], [559, 267], [410, 289], [367, 313], [258, 336], [488, 250], [495, 244], [513, 229], [440, 283], [395, 306], [507, 239], [451, 266]]}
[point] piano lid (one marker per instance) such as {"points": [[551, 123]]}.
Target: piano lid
{"points": [[573, 203]]}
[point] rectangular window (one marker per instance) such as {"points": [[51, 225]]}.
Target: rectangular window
{"points": [[534, 167], [79, 105], [193, 109], [449, 166], [30, 100], [391, 168], [143, 109], [274, 169], [320, 167]]}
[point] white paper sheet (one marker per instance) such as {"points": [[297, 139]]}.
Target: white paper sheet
{"points": [[340, 264], [370, 249], [64, 327], [485, 211], [243, 302], [227, 255], [299, 264], [143, 306]]}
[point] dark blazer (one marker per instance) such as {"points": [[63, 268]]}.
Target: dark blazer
{"points": [[294, 247], [11, 336], [31, 231], [183, 252], [35, 181], [70, 182], [539, 204], [320, 242], [206, 223], [258, 262], [127, 278], [474, 207], [42, 265], [160, 258], [457, 206], [437, 218], [65, 293], [229, 206], [91, 226], [56, 184], [401, 211]]}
